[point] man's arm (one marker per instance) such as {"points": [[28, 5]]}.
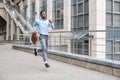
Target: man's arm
{"points": [[51, 24], [34, 26]]}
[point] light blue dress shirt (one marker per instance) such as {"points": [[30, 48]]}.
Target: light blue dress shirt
{"points": [[42, 26]]}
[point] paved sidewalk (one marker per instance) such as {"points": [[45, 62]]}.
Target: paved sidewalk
{"points": [[18, 65]]}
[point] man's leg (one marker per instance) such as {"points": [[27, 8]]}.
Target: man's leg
{"points": [[44, 49], [43, 41], [46, 42]]}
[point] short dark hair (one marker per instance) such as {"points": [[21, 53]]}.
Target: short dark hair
{"points": [[42, 11]]}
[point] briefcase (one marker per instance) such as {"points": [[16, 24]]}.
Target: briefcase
{"points": [[34, 37]]}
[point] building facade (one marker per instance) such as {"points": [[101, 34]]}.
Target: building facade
{"points": [[95, 24]]}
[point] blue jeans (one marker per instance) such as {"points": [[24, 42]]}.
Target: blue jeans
{"points": [[44, 44]]}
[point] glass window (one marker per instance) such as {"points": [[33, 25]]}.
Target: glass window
{"points": [[74, 10], [54, 12], [74, 20], [109, 34], [86, 6], [86, 47], [58, 23], [74, 1], [112, 17], [78, 47], [86, 20], [80, 21], [112, 23], [109, 47], [117, 47], [80, 8], [58, 3], [61, 23], [80, 14], [113, 34], [109, 5], [117, 20], [58, 13], [109, 20], [43, 5], [80, 0], [117, 6], [117, 34]]}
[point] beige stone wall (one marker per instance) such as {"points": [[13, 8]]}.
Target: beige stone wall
{"points": [[49, 9], [2, 12], [37, 16], [67, 15], [97, 22]]}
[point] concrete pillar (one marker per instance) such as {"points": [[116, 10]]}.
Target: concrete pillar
{"points": [[18, 31], [7, 27], [49, 9], [97, 21], [37, 16], [11, 29], [14, 30], [66, 11], [28, 9], [67, 15]]}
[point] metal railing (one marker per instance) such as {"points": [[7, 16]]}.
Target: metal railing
{"points": [[93, 43]]}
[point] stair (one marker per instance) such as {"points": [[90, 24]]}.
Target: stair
{"points": [[18, 18]]}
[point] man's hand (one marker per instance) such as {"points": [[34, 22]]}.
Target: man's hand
{"points": [[50, 20]]}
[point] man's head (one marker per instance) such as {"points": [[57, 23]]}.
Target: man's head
{"points": [[43, 14]]}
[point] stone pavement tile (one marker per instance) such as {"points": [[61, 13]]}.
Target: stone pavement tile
{"points": [[1, 78], [18, 65]]}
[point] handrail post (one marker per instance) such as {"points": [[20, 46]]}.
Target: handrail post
{"points": [[60, 42]]}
